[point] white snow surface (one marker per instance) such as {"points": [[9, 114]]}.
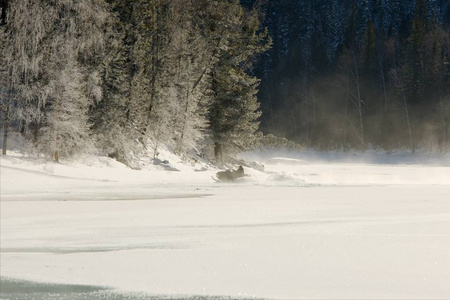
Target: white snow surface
{"points": [[333, 226]]}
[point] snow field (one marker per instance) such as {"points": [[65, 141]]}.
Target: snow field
{"points": [[298, 231]]}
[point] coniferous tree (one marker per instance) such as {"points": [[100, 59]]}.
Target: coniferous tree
{"points": [[192, 83], [370, 50], [436, 74], [51, 52], [5, 92], [233, 114], [112, 122], [121, 121], [414, 66], [3, 10], [334, 29]]}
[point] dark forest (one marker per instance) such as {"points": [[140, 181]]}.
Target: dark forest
{"points": [[357, 74]]}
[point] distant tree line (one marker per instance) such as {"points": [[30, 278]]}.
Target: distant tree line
{"points": [[127, 76], [357, 73]]}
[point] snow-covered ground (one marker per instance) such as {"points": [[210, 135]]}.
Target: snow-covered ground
{"points": [[313, 225]]}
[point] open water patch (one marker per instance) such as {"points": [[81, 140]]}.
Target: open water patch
{"points": [[13, 289], [21, 289]]}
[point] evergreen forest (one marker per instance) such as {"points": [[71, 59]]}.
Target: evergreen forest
{"points": [[216, 77], [357, 74]]}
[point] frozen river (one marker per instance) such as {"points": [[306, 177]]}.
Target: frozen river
{"points": [[298, 231]]}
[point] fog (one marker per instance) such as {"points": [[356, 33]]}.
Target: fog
{"points": [[354, 168]]}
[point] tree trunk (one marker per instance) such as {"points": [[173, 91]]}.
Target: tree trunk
{"points": [[5, 130], [305, 93], [314, 110], [56, 152], [155, 150], [294, 121], [6, 124], [180, 145], [405, 104], [56, 156], [36, 133], [218, 153], [359, 103], [383, 85], [344, 145], [443, 124], [23, 127], [155, 62]]}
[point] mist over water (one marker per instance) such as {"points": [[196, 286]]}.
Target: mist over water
{"points": [[353, 168], [359, 157]]}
